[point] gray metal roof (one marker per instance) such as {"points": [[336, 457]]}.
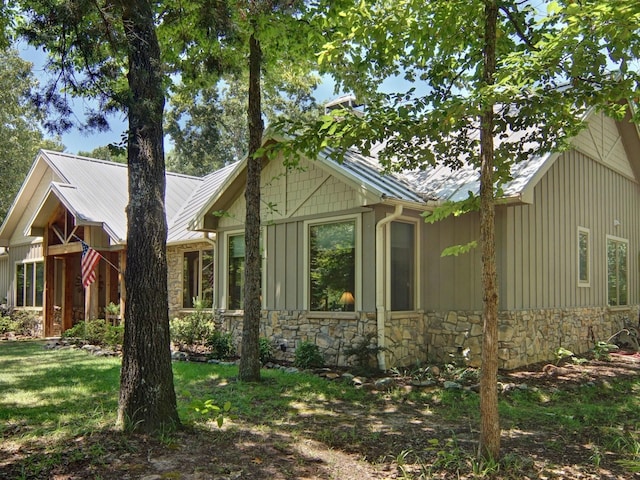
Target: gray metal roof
{"points": [[368, 172], [96, 192], [178, 230]]}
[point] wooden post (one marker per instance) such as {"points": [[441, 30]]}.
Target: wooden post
{"points": [[48, 295], [68, 280], [122, 264]]}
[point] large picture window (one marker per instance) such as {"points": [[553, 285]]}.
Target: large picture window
{"points": [[617, 271], [332, 266], [29, 284], [584, 257], [402, 269], [197, 278]]}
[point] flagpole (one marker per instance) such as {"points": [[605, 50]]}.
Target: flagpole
{"points": [[101, 256]]}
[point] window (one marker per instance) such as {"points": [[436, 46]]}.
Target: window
{"points": [[235, 277], [332, 266], [29, 284], [236, 271], [584, 257], [402, 268], [617, 271], [197, 278]]}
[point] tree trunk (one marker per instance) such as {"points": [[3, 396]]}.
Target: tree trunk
{"points": [[489, 418], [250, 359], [147, 397]]}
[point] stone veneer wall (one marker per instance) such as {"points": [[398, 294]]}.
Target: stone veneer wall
{"points": [[526, 336], [175, 258], [333, 332]]}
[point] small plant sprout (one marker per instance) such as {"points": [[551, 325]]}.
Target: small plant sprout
{"points": [[208, 408], [561, 353]]}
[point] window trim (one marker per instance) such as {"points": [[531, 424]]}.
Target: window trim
{"points": [[306, 284], [34, 261], [606, 256], [224, 300], [417, 300], [587, 231]]}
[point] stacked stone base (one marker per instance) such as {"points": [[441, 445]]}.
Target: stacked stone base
{"points": [[412, 338]]}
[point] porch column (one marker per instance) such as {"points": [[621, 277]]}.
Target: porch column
{"points": [[48, 297], [68, 284], [122, 264]]}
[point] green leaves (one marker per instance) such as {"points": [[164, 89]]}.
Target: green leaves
{"points": [[209, 408]]}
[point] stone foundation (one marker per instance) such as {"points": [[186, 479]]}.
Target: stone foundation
{"points": [[525, 337], [332, 332]]}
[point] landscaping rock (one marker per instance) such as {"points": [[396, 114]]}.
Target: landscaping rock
{"points": [[384, 383], [179, 356], [291, 370], [448, 385], [422, 383]]}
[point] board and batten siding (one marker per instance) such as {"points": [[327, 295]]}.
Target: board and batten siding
{"points": [[290, 199], [451, 282], [4, 278], [539, 258]]}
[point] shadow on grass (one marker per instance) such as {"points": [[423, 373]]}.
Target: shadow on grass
{"points": [[57, 410]]}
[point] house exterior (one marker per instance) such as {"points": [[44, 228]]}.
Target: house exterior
{"points": [[66, 199], [347, 255]]}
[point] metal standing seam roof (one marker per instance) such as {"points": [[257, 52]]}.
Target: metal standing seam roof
{"points": [[210, 184], [97, 191]]}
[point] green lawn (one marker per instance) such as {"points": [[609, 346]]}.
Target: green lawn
{"points": [[58, 410]]}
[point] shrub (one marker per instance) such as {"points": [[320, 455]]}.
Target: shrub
{"points": [[96, 332], [265, 349], [7, 325], [308, 356], [221, 345], [194, 329], [26, 323]]}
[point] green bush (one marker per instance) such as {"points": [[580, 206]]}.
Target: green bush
{"points": [[266, 350], [221, 345], [7, 325], [96, 332], [25, 322], [193, 330], [308, 356]]}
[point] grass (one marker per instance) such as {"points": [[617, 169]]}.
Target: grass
{"points": [[52, 403]]}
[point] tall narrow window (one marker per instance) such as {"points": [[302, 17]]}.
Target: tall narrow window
{"points": [[236, 272], [584, 257], [29, 284], [403, 259], [197, 278], [617, 271], [332, 261]]}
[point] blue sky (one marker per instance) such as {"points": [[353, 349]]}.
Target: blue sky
{"points": [[76, 141]]}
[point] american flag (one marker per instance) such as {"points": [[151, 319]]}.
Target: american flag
{"points": [[90, 259]]}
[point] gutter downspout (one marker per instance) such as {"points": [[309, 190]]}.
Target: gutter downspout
{"points": [[380, 300]]}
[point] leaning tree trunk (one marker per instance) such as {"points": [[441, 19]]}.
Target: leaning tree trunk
{"points": [[250, 359], [489, 418], [147, 397]]}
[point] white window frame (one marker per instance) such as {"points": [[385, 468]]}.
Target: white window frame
{"points": [[200, 252], [583, 231], [224, 300], [417, 302], [606, 256], [306, 296], [33, 261]]}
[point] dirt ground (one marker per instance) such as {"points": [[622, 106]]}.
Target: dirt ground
{"points": [[346, 442]]}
